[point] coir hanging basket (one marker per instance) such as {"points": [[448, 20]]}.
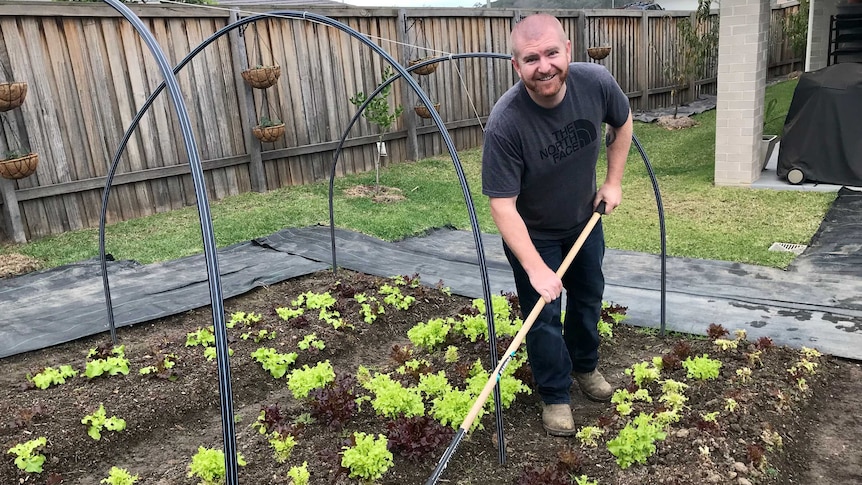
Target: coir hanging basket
{"points": [[12, 95], [598, 53], [423, 112], [18, 168], [262, 77], [268, 133], [424, 70]]}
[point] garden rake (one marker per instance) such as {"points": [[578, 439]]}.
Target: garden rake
{"points": [[510, 352]]}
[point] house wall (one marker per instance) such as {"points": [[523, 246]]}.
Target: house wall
{"points": [[818, 33]]}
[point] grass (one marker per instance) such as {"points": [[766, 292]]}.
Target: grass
{"points": [[702, 221]]}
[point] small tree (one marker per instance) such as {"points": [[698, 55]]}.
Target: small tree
{"points": [[381, 114], [795, 27], [695, 48]]}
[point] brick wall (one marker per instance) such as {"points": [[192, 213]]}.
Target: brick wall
{"points": [[742, 62]]}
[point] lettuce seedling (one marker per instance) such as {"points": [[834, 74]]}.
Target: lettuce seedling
{"points": [[302, 381], [120, 476], [112, 362], [636, 442], [99, 420], [369, 458], [299, 474], [27, 457], [208, 466], [702, 368], [392, 399], [51, 376], [274, 362]]}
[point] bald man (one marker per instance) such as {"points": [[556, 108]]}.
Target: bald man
{"points": [[539, 171]]}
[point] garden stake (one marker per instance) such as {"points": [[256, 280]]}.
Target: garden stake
{"points": [[510, 352]]}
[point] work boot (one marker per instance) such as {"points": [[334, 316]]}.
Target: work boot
{"points": [[594, 386], [557, 419]]}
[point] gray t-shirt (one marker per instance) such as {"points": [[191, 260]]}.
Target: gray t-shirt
{"points": [[547, 157]]}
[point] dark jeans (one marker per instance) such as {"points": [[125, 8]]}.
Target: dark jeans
{"points": [[556, 349]]}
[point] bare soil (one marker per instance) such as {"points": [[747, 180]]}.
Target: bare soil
{"points": [[381, 194], [778, 434], [670, 122], [13, 264]]}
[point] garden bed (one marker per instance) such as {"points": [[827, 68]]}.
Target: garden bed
{"points": [[735, 428]]}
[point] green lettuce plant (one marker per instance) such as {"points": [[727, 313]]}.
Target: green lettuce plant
{"points": [[282, 444], [369, 459], [394, 298], [120, 476], [391, 399], [50, 376], [588, 435], [302, 381], [243, 318], [451, 355], [210, 353], [430, 334], [208, 466], [274, 362], [636, 441], [644, 373], [112, 364], [434, 385], [702, 368], [162, 369], [203, 337], [288, 313], [476, 325], [451, 408], [27, 456], [510, 386], [309, 341], [299, 474], [99, 420], [262, 334]]}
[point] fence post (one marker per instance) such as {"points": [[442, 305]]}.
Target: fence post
{"points": [[12, 211], [245, 100], [643, 62], [581, 50], [407, 94]]}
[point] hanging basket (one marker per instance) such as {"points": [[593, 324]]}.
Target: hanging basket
{"points": [[598, 53], [18, 168], [268, 133], [424, 70], [423, 112], [262, 77], [12, 95]]}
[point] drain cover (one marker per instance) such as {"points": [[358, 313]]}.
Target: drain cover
{"points": [[788, 248]]}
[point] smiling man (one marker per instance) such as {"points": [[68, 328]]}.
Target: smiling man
{"points": [[539, 172]]}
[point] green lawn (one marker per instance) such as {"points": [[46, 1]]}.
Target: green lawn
{"points": [[703, 221]]}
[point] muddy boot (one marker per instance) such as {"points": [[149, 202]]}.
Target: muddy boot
{"points": [[557, 419], [594, 386]]}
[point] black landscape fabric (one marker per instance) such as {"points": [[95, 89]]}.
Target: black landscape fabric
{"points": [[834, 248]]}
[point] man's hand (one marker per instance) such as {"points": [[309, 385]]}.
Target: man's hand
{"points": [[612, 195], [546, 283], [514, 232]]}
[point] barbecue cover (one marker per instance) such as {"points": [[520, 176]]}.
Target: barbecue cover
{"points": [[823, 129]]}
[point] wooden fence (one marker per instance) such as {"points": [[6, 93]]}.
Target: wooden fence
{"points": [[89, 73]]}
